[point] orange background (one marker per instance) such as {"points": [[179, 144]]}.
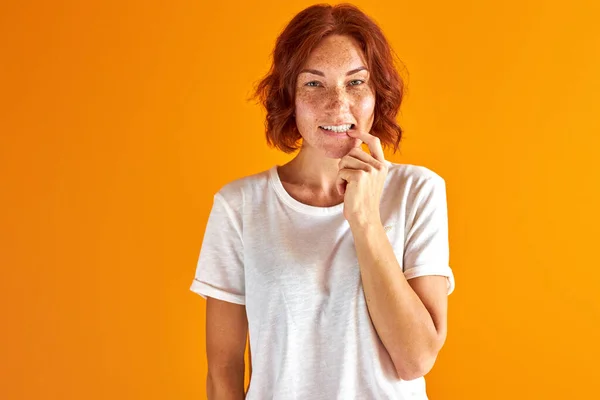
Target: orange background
{"points": [[119, 120]]}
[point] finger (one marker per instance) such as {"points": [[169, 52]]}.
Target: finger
{"points": [[359, 153], [341, 186], [351, 162], [372, 142], [345, 176], [340, 183]]}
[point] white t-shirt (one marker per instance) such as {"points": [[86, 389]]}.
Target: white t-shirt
{"points": [[294, 267]]}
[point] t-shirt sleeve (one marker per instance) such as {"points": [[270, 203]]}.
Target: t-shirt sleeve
{"points": [[426, 248], [220, 267]]}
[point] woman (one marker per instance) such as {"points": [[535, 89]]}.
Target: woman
{"points": [[336, 263]]}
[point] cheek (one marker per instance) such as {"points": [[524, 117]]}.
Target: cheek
{"points": [[306, 112], [364, 103], [307, 102]]}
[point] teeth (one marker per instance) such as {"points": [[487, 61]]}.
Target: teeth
{"points": [[337, 128]]}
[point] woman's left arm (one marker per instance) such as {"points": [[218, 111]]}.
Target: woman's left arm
{"points": [[410, 316]]}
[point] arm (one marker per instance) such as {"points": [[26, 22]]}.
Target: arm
{"points": [[410, 318], [226, 332]]}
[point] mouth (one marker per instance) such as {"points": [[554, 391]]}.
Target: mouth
{"points": [[337, 130]]}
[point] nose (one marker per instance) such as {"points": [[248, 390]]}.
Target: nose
{"points": [[337, 100]]}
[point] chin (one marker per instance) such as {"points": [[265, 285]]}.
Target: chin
{"points": [[339, 150], [330, 147]]}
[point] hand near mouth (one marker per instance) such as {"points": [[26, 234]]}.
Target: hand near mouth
{"points": [[361, 178]]}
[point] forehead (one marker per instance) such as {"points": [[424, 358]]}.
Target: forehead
{"points": [[336, 51]]}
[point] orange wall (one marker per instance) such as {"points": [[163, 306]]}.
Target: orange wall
{"points": [[120, 119]]}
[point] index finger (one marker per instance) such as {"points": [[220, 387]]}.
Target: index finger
{"points": [[372, 142]]}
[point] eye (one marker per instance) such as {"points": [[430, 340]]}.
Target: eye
{"points": [[357, 80], [309, 83]]}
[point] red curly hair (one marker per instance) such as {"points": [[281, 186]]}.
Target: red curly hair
{"points": [[277, 90]]}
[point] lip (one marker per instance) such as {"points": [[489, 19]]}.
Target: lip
{"points": [[340, 123], [336, 134]]}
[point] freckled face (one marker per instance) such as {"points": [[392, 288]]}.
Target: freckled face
{"points": [[326, 95]]}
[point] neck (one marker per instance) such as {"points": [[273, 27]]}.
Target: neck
{"points": [[312, 171]]}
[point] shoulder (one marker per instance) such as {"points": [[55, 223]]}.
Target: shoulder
{"points": [[235, 192], [410, 187], [413, 176], [414, 190]]}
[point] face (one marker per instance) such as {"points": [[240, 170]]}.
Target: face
{"points": [[333, 89]]}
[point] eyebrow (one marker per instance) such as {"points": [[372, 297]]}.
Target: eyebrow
{"points": [[317, 72]]}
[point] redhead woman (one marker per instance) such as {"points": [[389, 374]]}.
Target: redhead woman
{"points": [[335, 264]]}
